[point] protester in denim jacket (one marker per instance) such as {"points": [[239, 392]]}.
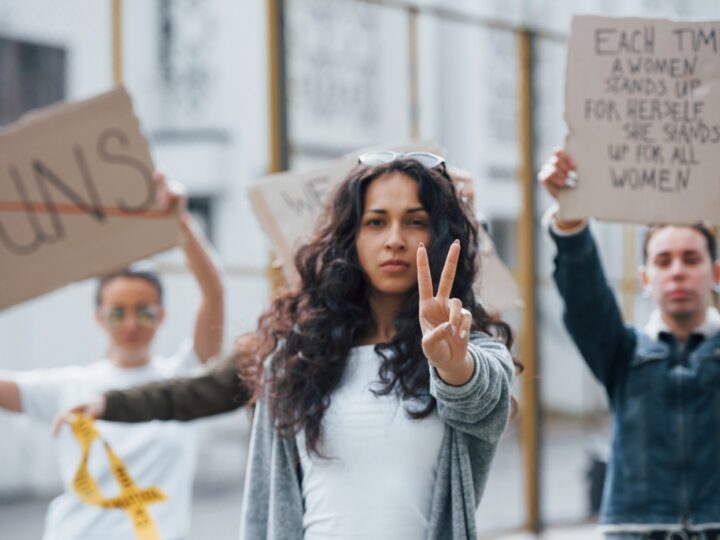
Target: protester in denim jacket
{"points": [[662, 381]]}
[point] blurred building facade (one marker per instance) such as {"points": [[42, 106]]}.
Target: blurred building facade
{"points": [[198, 75]]}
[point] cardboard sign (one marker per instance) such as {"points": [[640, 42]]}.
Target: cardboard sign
{"points": [[288, 205], [495, 286], [642, 106], [77, 197]]}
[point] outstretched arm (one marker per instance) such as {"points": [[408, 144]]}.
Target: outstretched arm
{"points": [[216, 392], [591, 313]]}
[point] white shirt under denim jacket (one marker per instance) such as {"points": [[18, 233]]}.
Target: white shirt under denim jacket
{"points": [[664, 467], [474, 416]]}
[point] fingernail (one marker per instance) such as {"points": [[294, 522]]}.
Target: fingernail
{"points": [[421, 245], [448, 327], [463, 333], [571, 179], [457, 241]]}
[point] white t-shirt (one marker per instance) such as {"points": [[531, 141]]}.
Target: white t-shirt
{"points": [[379, 480], [156, 453]]}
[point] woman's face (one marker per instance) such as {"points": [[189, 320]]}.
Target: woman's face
{"points": [[130, 312], [393, 224]]}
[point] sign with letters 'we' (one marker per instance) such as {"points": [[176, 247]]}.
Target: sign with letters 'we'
{"points": [[77, 197], [642, 106]]}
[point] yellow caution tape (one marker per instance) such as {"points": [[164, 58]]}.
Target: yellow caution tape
{"points": [[132, 499]]}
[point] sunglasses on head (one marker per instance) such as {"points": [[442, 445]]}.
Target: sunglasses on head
{"points": [[381, 157], [146, 315]]}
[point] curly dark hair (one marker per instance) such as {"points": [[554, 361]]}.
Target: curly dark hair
{"points": [[307, 332]]}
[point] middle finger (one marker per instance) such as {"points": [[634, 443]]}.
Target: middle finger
{"points": [[448, 274]]}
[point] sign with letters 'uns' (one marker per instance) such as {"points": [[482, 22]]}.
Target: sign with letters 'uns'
{"points": [[77, 196], [642, 106]]}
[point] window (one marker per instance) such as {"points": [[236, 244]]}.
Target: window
{"points": [[201, 209], [31, 76]]}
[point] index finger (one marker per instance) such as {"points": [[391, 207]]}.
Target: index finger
{"points": [[448, 274], [425, 287]]}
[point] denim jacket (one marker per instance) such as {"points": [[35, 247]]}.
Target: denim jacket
{"points": [[664, 398]]}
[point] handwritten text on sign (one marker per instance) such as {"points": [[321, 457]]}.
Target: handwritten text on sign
{"points": [[643, 111], [77, 197], [42, 219]]}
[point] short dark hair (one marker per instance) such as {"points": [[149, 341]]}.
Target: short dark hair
{"points": [[150, 277], [699, 227]]}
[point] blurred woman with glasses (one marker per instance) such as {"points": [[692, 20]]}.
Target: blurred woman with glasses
{"points": [[129, 309]]}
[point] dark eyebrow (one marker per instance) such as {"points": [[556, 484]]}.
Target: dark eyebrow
{"points": [[381, 211], [689, 251], [662, 254]]}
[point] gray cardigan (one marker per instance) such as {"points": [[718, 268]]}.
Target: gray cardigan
{"points": [[475, 417]]}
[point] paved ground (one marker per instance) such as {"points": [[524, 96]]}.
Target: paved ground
{"points": [[218, 492], [585, 532], [215, 517]]}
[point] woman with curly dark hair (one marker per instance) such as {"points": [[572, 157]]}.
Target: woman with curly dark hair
{"points": [[381, 385]]}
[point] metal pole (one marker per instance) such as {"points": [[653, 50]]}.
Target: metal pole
{"points": [[279, 159], [277, 88], [414, 82], [530, 416], [117, 42]]}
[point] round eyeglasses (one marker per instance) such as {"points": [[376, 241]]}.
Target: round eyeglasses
{"points": [[146, 315]]}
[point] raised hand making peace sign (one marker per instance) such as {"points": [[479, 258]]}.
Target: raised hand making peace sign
{"points": [[445, 324]]}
